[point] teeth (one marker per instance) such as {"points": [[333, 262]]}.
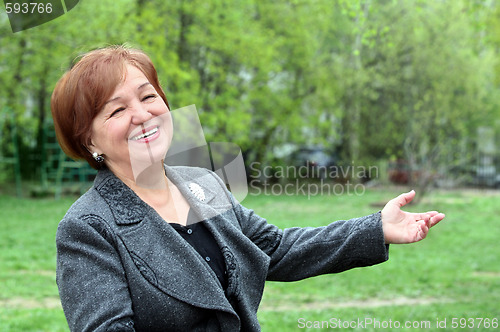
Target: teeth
{"points": [[146, 134]]}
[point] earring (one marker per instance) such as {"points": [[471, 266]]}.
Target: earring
{"points": [[98, 157]]}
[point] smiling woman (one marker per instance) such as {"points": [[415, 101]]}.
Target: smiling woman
{"points": [[84, 91], [133, 130], [156, 248]]}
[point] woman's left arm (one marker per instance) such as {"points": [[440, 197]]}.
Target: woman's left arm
{"points": [[298, 253]]}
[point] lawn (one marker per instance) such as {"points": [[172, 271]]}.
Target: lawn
{"points": [[452, 275]]}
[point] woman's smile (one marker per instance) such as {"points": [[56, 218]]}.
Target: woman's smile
{"points": [[147, 135]]}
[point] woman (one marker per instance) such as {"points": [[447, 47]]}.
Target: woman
{"points": [[131, 256]]}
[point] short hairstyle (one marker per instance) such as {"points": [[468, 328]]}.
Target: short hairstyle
{"points": [[82, 92]]}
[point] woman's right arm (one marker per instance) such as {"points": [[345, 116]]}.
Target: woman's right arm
{"points": [[90, 277]]}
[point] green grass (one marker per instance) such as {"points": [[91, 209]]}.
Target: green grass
{"points": [[29, 300], [454, 273]]}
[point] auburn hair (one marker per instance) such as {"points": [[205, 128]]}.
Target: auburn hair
{"points": [[81, 93]]}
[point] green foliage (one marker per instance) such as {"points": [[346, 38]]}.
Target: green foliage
{"points": [[377, 79]]}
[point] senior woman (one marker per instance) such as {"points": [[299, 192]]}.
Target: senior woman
{"points": [[130, 254]]}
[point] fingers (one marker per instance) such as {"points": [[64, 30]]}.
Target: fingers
{"points": [[436, 218], [404, 199], [422, 216], [429, 220], [423, 230], [432, 213], [429, 215]]}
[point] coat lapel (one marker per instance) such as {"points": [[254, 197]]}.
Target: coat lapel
{"points": [[165, 259], [212, 211]]}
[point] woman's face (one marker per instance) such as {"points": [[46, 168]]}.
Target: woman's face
{"points": [[133, 130]]}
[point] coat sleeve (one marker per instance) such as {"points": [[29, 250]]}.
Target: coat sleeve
{"points": [[90, 277], [297, 253]]}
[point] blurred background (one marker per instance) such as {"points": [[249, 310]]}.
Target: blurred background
{"points": [[385, 94], [408, 86]]}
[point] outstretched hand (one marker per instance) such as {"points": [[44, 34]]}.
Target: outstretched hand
{"points": [[404, 227]]}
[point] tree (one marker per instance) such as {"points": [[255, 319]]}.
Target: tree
{"points": [[363, 76]]}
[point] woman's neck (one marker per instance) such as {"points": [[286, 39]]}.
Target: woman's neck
{"points": [[151, 182], [154, 188]]}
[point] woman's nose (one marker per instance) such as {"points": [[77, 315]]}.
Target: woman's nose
{"points": [[140, 114]]}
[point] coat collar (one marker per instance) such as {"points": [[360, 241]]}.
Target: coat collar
{"points": [[129, 209], [126, 206]]}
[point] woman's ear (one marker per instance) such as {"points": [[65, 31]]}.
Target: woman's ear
{"points": [[90, 147]]}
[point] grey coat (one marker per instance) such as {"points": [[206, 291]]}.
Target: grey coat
{"points": [[121, 267]]}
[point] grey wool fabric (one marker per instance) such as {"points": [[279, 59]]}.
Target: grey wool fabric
{"points": [[121, 267]]}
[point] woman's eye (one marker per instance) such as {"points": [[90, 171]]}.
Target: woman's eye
{"points": [[148, 97], [118, 110]]}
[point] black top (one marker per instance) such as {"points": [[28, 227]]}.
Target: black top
{"points": [[200, 238]]}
